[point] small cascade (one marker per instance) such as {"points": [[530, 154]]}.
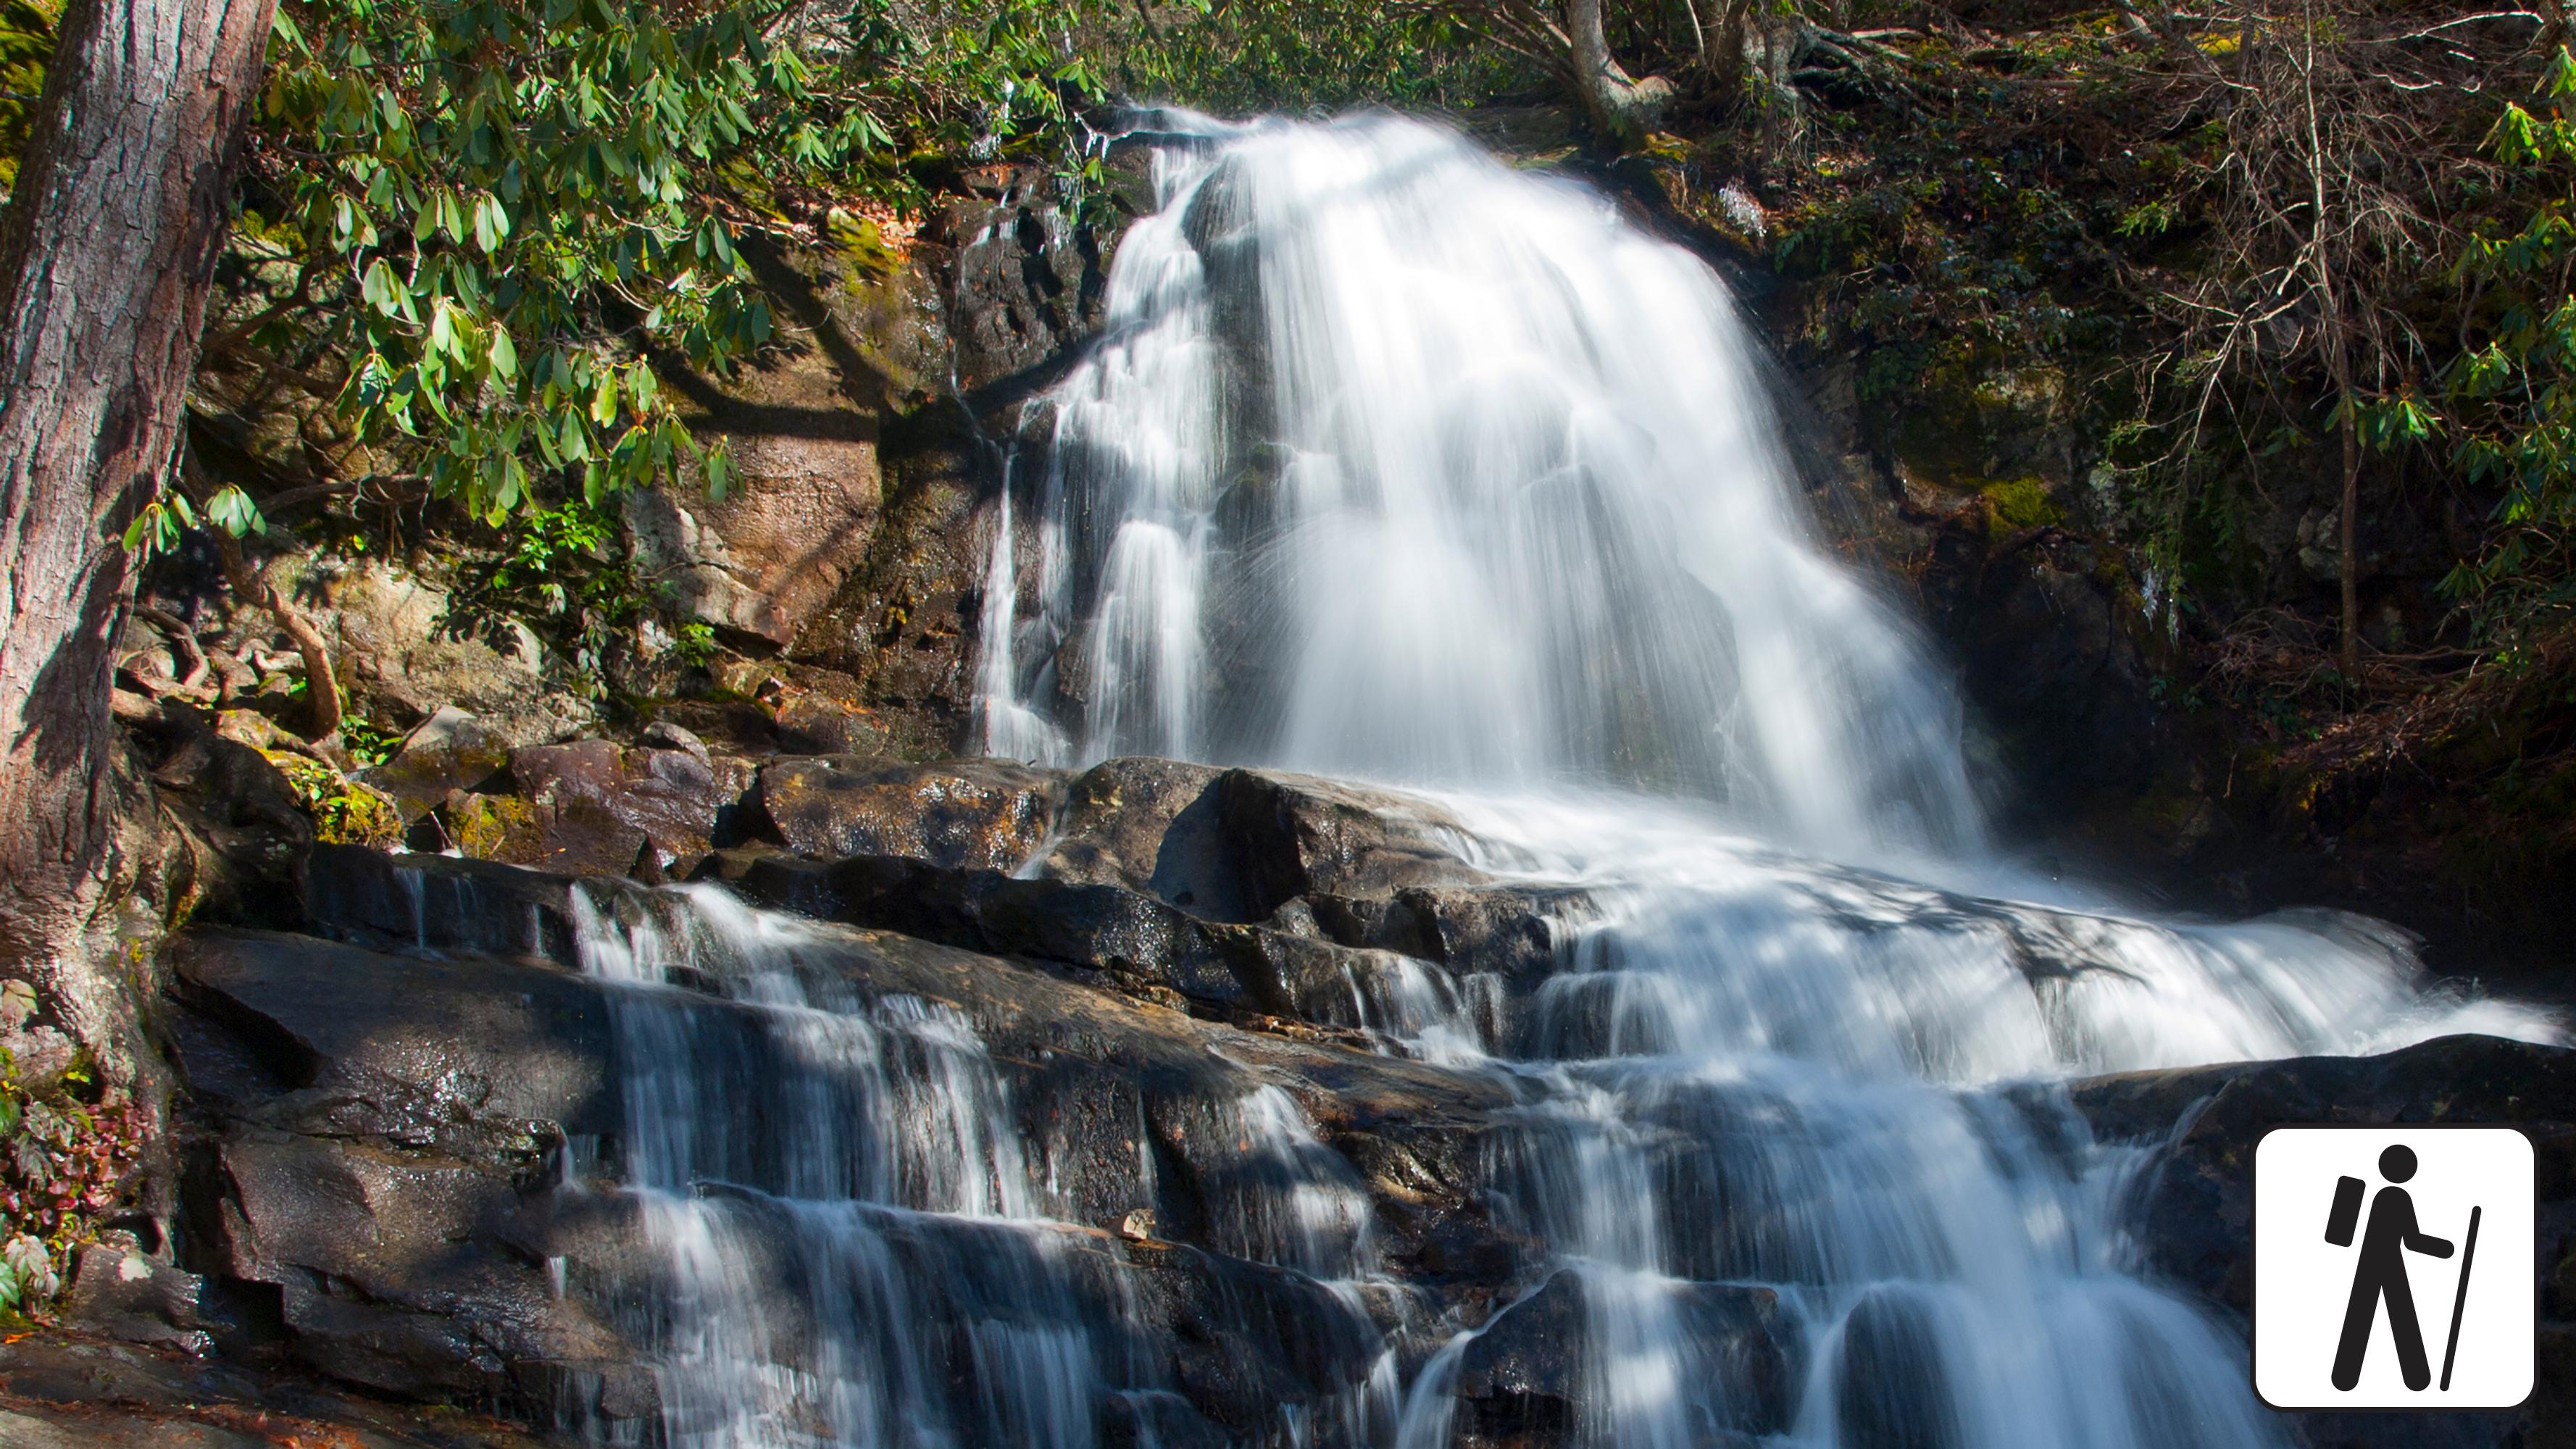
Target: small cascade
{"points": [[852, 1253], [1416, 1009]]}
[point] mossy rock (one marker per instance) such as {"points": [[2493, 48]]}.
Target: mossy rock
{"points": [[2019, 503], [344, 812], [490, 827]]}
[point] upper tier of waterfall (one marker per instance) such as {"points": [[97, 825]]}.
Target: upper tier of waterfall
{"points": [[1398, 463]]}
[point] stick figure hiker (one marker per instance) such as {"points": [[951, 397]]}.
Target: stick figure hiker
{"points": [[2380, 1274]]}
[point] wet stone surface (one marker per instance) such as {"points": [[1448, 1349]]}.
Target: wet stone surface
{"points": [[1161, 1130]]}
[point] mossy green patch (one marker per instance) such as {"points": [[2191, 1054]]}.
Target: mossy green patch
{"points": [[487, 827], [2018, 503], [344, 812]]}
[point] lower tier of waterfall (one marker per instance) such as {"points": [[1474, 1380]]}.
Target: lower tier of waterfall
{"points": [[1482, 1120]]}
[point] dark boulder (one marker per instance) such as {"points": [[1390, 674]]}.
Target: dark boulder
{"points": [[820, 724], [2060, 656], [1892, 1388], [1298, 836], [1248, 1338], [376, 1163], [449, 751], [1133, 942], [1137, 942], [1505, 930], [424, 1052], [248, 826], [70, 1391], [1153, 827], [441, 902]]}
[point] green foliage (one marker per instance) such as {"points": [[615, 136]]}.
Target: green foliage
{"points": [[1241, 56], [482, 234], [2512, 392], [694, 643], [64, 1157], [26, 45], [157, 528], [369, 743], [569, 567], [2019, 503], [344, 812], [971, 77], [529, 195]]}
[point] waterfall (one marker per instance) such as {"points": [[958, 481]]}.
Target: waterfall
{"points": [[1395, 462]]}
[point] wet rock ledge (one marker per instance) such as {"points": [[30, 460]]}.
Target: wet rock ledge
{"points": [[406, 1109]]}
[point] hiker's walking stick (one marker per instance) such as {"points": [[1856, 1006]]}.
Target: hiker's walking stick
{"points": [[2460, 1300]]}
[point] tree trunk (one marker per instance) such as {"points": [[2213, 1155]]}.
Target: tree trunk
{"points": [[1622, 108], [106, 253]]}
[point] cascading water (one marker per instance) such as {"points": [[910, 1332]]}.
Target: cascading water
{"points": [[1397, 463], [839, 1192], [857, 1245]]}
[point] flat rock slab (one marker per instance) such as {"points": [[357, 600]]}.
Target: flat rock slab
{"points": [[68, 1391]]}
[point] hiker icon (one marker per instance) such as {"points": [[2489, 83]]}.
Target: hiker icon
{"points": [[2422, 1292], [2380, 1279]]}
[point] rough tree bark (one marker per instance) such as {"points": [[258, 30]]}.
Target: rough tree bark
{"points": [[106, 252], [1620, 106]]}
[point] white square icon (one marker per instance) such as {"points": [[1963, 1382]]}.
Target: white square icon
{"points": [[2393, 1268]]}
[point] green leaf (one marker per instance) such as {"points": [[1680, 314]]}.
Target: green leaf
{"points": [[491, 224], [383, 290], [233, 511], [442, 337], [2560, 78], [719, 470]]}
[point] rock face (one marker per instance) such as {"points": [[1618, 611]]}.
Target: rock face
{"points": [[71, 1391], [2056, 648], [867, 453], [2195, 1206], [1517, 1376], [410, 661], [805, 426], [407, 1139], [413, 1147]]}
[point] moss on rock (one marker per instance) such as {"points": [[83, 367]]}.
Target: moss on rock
{"points": [[344, 812]]}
